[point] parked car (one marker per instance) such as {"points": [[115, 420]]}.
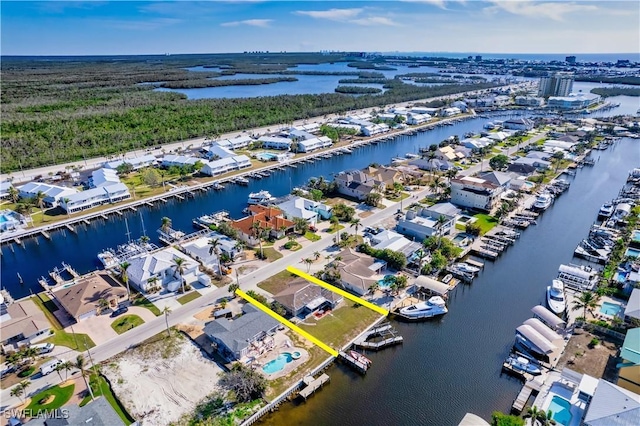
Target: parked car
{"points": [[43, 348], [121, 310]]}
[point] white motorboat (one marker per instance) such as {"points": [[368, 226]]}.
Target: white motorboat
{"points": [[543, 201], [241, 181], [108, 259], [555, 297], [465, 267], [260, 197], [523, 365], [606, 210], [433, 307]]}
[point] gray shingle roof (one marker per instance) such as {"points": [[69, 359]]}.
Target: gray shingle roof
{"points": [[236, 333]]}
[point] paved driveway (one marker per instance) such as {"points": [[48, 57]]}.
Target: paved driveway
{"points": [[99, 327]]}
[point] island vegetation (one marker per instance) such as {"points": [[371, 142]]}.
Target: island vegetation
{"points": [[357, 90], [606, 92], [201, 83], [628, 79]]}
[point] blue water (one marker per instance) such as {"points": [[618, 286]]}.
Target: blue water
{"points": [[609, 308], [266, 156], [386, 281], [636, 236], [3, 218], [621, 276], [561, 410], [632, 252], [277, 364]]}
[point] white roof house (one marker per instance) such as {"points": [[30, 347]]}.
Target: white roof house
{"points": [[224, 165], [53, 193], [160, 265], [107, 193], [102, 177], [241, 141], [4, 188], [199, 248], [219, 151], [417, 118], [135, 162], [391, 240], [313, 144], [275, 142], [476, 143], [304, 208], [448, 112], [498, 136], [550, 143], [178, 160], [612, 405]]}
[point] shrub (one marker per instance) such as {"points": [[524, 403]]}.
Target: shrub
{"points": [[290, 244], [594, 342], [27, 372]]}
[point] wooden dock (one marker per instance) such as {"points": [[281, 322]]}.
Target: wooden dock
{"points": [[46, 235], [475, 263], [311, 385], [529, 387], [86, 222], [70, 228], [385, 335], [361, 367]]}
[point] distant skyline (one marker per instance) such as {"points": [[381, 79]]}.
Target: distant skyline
{"points": [[157, 27]]}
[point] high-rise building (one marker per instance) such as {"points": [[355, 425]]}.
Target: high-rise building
{"points": [[570, 59], [558, 84]]}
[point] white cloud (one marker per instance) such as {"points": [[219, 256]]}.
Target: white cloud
{"points": [[374, 20], [531, 9], [331, 14], [262, 23]]}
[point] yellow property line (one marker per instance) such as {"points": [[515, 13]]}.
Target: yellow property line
{"points": [[289, 324], [341, 292]]}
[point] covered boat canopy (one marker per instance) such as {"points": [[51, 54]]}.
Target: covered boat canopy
{"points": [[538, 341], [539, 326], [575, 271], [471, 419], [548, 317], [430, 284]]}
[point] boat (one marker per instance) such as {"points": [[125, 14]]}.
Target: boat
{"points": [[260, 197], [360, 358], [543, 201], [218, 186], [433, 307], [606, 210], [241, 181], [346, 151], [108, 258], [555, 297], [522, 365], [465, 267]]}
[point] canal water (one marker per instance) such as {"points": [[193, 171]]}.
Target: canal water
{"points": [[450, 366]]}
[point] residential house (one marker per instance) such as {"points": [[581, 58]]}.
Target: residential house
{"points": [[309, 210], [388, 239], [313, 144], [355, 184], [53, 194], [518, 124], [82, 300], [422, 223], [475, 193], [13, 220], [135, 162], [449, 112], [157, 269], [98, 412], [499, 178], [302, 298], [236, 339], [632, 311], [612, 405], [223, 160], [501, 100], [383, 175], [22, 322], [629, 373], [200, 249], [448, 153], [431, 165], [415, 119], [521, 169], [345, 125], [533, 162], [460, 105], [266, 218], [217, 151], [275, 142], [498, 136], [476, 143], [358, 271], [103, 177], [539, 155], [108, 193], [558, 144], [4, 188], [386, 116], [178, 160], [423, 110], [239, 142]]}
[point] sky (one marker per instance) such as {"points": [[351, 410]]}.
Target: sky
{"points": [[157, 27]]}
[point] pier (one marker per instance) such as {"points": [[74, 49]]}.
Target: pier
{"points": [[357, 365], [382, 336], [527, 390], [311, 385]]}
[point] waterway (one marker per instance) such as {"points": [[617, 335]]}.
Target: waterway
{"points": [[450, 366]]}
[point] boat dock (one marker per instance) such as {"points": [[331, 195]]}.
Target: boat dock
{"points": [[311, 385], [475, 263], [381, 336], [527, 390], [357, 365]]}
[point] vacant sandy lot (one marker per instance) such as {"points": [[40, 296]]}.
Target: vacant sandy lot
{"points": [[158, 386]]}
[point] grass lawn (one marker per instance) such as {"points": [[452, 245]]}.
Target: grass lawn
{"points": [[485, 222], [78, 341], [140, 300], [101, 387], [188, 297], [403, 196], [332, 230], [278, 282], [342, 325], [311, 236], [271, 253], [126, 322], [61, 396]]}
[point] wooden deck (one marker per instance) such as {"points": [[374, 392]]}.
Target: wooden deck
{"points": [[311, 385], [529, 387]]}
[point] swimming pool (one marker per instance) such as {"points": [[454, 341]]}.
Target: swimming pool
{"points": [[560, 410], [609, 308], [277, 364], [266, 156], [386, 281], [621, 276], [632, 252], [636, 236]]}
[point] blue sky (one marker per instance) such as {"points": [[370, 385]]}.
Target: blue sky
{"points": [[151, 27]]}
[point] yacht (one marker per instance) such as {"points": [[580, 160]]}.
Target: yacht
{"points": [[433, 307], [522, 365], [218, 186], [543, 201], [465, 267], [260, 197], [606, 210], [555, 297], [108, 259]]}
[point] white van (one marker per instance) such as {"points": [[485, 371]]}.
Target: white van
{"points": [[50, 366]]}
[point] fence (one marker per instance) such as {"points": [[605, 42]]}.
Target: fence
{"points": [[601, 330]]}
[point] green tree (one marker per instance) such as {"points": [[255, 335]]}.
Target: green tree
{"points": [[81, 365], [166, 311], [165, 224], [151, 176], [501, 419], [20, 390], [39, 199], [124, 276], [245, 383], [372, 199], [214, 247], [232, 289], [499, 162], [179, 268], [278, 308], [587, 301], [355, 223], [13, 194], [300, 225]]}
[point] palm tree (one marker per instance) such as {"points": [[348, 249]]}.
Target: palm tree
{"points": [[66, 201], [40, 202], [20, 389], [232, 289], [13, 194], [178, 266], [587, 301], [257, 232], [166, 224], [316, 254], [59, 369], [166, 311], [308, 261], [152, 281], [80, 365], [67, 366], [374, 287], [144, 239], [440, 224], [214, 247], [103, 304], [124, 276], [239, 246], [355, 223]]}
